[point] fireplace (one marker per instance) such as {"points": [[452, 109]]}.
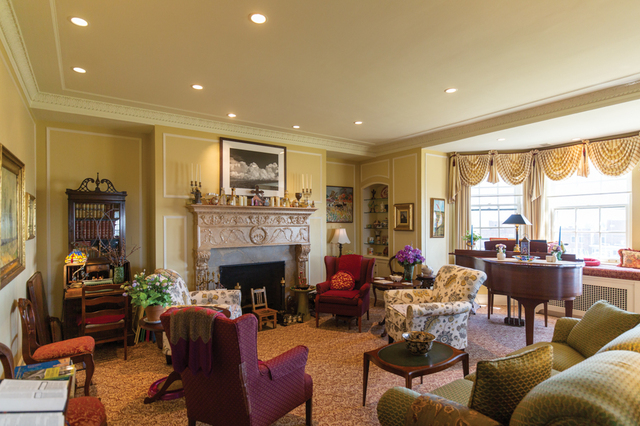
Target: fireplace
{"points": [[256, 275]]}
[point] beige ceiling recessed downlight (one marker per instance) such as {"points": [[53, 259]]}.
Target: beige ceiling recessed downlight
{"points": [[232, 115], [79, 70], [451, 90], [502, 139], [257, 18], [357, 122], [197, 86], [78, 21], [296, 127]]}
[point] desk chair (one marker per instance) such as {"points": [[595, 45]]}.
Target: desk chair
{"points": [[260, 309], [80, 349]]}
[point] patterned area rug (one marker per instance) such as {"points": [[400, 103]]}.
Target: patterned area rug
{"points": [[335, 363]]}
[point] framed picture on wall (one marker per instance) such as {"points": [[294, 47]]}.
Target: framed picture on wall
{"points": [[12, 211], [437, 217], [30, 212], [245, 165], [339, 204], [404, 217]]}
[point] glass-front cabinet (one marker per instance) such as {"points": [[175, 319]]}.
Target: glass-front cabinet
{"points": [[375, 212]]}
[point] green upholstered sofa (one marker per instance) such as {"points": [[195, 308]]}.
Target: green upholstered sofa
{"points": [[593, 382]]}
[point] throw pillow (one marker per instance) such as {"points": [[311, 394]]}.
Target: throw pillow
{"points": [[601, 324], [502, 383], [629, 258], [627, 341], [350, 263], [342, 281]]}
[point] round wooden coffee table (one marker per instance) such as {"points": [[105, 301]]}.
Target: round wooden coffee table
{"points": [[396, 358]]}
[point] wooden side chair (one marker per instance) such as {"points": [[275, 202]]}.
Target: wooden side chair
{"points": [[105, 313], [49, 328], [80, 349], [260, 309], [81, 411]]}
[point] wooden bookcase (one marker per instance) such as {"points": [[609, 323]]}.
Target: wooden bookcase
{"points": [[97, 217]]}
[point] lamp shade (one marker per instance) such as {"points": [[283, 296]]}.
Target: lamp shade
{"points": [[340, 236], [516, 219]]}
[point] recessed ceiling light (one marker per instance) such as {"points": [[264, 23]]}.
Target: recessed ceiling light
{"points": [[78, 21], [296, 127], [232, 115], [575, 139], [197, 86], [451, 90], [502, 139], [79, 70], [257, 18], [357, 122]]}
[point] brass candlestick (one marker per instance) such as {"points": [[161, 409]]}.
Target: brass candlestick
{"points": [[197, 193]]}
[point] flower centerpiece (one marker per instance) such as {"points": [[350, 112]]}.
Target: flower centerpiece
{"points": [[468, 240], [502, 251], [152, 292], [556, 250], [409, 257]]}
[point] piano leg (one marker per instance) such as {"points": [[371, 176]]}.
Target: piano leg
{"points": [[530, 316], [568, 308]]}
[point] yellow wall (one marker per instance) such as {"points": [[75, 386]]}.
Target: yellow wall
{"points": [[17, 134], [343, 173], [435, 186]]}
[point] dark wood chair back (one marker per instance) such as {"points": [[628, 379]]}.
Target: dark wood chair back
{"points": [[261, 309], [29, 331], [105, 313], [259, 298], [6, 358], [49, 328]]}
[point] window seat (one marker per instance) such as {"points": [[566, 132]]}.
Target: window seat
{"points": [[612, 271]]}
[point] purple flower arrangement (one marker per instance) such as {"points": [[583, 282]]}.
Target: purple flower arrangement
{"points": [[409, 256], [149, 290]]}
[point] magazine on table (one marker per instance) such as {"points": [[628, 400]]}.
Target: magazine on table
{"points": [[32, 396], [31, 419]]}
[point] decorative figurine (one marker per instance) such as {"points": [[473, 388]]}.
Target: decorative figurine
{"points": [[373, 193], [257, 199]]}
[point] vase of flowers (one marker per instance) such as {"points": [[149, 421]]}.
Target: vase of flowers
{"points": [[409, 257], [556, 250], [117, 257], [152, 292], [501, 249]]}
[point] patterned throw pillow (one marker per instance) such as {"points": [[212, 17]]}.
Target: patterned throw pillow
{"points": [[502, 383], [629, 258], [342, 281], [601, 324]]}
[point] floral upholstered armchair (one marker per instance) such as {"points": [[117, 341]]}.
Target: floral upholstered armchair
{"points": [[443, 311], [180, 296]]}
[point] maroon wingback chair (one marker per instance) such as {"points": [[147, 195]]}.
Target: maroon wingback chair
{"points": [[348, 303], [240, 389]]}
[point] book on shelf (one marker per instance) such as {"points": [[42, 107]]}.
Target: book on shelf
{"points": [[62, 369], [33, 396]]}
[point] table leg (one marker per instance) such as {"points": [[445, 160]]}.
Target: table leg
{"points": [[568, 308], [408, 382], [303, 305], [465, 365], [170, 379], [365, 378], [158, 338], [375, 296]]}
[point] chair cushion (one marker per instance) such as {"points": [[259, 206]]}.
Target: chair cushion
{"points": [[502, 383], [86, 411], [340, 297], [342, 280], [66, 348], [627, 341], [601, 324], [104, 319], [457, 391], [351, 263]]}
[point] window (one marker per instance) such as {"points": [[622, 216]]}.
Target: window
{"points": [[492, 204], [593, 213]]}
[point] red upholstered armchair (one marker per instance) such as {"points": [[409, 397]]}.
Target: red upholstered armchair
{"points": [[348, 303], [238, 389]]}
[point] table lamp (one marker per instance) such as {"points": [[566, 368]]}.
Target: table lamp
{"points": [[340, 237], [517, 220]]}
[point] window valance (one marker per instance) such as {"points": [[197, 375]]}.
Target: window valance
{"points": [[611, 157]]}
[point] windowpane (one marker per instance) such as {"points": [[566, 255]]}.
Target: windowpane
{"points": [[613, 219], [492, 204], [586, 245], [611, 243], [588, 220], [489, 218], [565, 218]]}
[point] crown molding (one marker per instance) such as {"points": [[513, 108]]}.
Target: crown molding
{"points": [[580, 103], [11, 37]]}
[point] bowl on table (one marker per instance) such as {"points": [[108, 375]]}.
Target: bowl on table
{"points": [[418, 342], [396, 278], [525, 258]]}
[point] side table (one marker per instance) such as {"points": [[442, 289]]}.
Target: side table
{"points": [[156, 327], [396, 358], [302, 299]]}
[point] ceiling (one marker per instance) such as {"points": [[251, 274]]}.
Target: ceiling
{"points": [[534, 73]]}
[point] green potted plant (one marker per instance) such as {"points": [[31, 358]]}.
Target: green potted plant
{"points": [[467, 239], [151, 292]]}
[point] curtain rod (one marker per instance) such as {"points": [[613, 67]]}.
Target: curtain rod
{"points": [[562, 145]]}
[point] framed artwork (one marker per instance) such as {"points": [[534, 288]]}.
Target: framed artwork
{"points": [[437, 217], [12, 218], [404, 217], [243, 165], [339, 204], [30, 209]]}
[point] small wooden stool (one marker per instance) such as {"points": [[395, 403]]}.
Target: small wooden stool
{"points": [[260, 308]]}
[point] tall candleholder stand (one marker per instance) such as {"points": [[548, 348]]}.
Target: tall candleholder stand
{"points": [[306, 193], [207, 282], [197, 192]]}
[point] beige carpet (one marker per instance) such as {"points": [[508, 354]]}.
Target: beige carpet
{"points": [[335, 363]]}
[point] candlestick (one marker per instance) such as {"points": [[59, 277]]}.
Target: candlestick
{"points": [[560, 236], [191, 175]]}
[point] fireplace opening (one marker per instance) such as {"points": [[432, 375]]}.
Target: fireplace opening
{"points": [[256, 275]]}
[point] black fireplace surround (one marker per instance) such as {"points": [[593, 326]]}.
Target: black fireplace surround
{"points": [[256, 275]]}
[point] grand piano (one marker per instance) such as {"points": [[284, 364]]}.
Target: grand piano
{"points": [[530, 283]]}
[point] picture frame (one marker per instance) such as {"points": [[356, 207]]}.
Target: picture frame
{"points": [[339, 204], [403, 214], [437, 217], [243, 165], [30, 209], [12, 217]]}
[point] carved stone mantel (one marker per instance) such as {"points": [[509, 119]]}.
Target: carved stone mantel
{"points": [[233, 226]]}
